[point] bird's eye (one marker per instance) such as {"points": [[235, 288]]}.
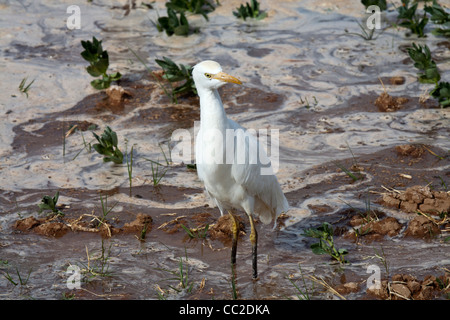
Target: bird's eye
{"points": [[208, 75]]}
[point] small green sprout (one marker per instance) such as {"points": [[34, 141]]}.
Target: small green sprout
{"points": [[197, 233], [202, 7], [250, 11], [326, 242], [99, 63], [442, 93], [107, 146], [379, 3], [178, 73], [409, 19], [49, 203], [440, 17], [421, 56], [25, 88], [173, 25]]}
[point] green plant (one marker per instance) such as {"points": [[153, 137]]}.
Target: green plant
{"points": [[99, 63], [130, 167], [177, 73], [173, 25], [97, 266], [409, 19], [49, 203], [250, 11], [421, 56], [156, 174], [326, 242], [442, 93], [380, 3], [107, 146], [197, 233], [440, 17], [202, 7], [23, 87], [105, 210], [181, 277], [22, 282], [366, 35], [302, 295]]}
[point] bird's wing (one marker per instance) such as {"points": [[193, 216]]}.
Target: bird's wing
{"points": [[255, 175]]}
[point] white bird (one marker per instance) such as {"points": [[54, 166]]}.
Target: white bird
{"points": [[228, 163]]}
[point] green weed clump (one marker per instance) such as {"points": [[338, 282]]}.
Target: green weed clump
{"points": [[23, 87], [326, 242], [439, 17], [99, 63], [49, 203], [421, 56], [429, 73], [202, 7], [107, 146], [250, 10], [380, 3], [178, 73], [409, 19], [442, 93], [173, 25]]}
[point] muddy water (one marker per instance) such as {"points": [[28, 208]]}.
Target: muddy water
{"points": [[302, 73]]}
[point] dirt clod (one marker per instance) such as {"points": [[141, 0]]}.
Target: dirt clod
{"points": [[397, 80], [418, 198], [422, 227], [116, 93], [387, 103], [52, 229], [376, 229], [222, 229], [410, 150], [407, 287], [26, 224], [142, 223]]}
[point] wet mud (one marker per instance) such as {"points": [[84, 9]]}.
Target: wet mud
{"points": [[360, 148]]}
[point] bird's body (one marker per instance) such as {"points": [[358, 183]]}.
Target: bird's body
{"points": [[230, 160]]}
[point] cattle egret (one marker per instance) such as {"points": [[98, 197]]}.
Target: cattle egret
{"points": [[231, 169]]}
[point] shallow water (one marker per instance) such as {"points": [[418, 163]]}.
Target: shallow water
{"points": [[302, 73]]}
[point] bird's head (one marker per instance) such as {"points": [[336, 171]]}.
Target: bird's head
{"points": [[208, 75]]}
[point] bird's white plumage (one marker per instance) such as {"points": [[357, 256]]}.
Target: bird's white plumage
{"points": [[231, 182]]}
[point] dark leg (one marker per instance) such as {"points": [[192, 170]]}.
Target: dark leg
{"points": [[254, 241], [235, 231]]}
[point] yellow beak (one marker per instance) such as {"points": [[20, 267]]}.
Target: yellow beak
{"points": [[222, 76]]}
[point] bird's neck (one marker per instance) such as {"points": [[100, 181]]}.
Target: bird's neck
{"points": [[212, 113]]}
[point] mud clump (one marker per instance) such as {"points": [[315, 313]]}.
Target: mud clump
{"points": [[142, 224], [347, 288], [397, 80], [422, 227], [410, 150], [52, 229], [26, 224], [407, 287], [387, 103], [418, 198], [375, 229], [42, 226], [116, 94], [222, 229]]}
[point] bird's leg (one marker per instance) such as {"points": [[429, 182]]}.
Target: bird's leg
{"points": [[235, 232], [254, 242]]}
